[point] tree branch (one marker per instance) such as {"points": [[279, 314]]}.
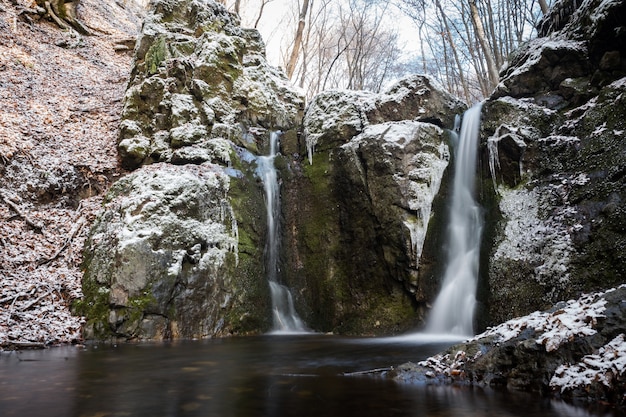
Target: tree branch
{"points": [[36, 226]]}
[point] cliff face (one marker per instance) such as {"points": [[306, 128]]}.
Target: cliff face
{"points": [[553, 151], [359, 193], [178, 250], [554, 189]]}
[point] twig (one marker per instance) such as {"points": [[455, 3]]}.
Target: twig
{"points": [[37, 227], [77, 227], [369, 371], [32, 303], [10, 297], [24, 345]]}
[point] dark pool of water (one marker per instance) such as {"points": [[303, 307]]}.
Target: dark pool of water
{"points": [[254, 376]]}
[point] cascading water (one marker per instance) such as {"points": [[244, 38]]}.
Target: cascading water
{"points": [[285, 318], [453, 310]]}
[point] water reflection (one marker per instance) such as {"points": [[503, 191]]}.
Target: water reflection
{"points": [[259, 376]]}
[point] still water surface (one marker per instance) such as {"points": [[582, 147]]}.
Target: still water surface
{"points": [[253, 376]]}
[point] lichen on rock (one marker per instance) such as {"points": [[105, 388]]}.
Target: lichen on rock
{"points": [[177, 251]]}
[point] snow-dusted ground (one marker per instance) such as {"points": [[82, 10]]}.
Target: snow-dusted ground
{"points": [[60, 101]]}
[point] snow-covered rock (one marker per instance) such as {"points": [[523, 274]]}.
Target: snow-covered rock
{"points": [[162, 255], [334, 117], [574, 350], [177, 251], [196, 68], [553, 152]]}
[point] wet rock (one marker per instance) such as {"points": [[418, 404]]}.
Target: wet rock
{"points": [[573, 351], [162, 257], [553, 136], [177, 251], [359, 207], [196, 68]]}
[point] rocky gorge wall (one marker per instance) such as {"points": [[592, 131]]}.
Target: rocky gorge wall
{"points": [[178, 250], [360, 186], [553, 156]]}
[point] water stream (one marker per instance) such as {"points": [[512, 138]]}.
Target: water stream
{"points": [[284, 316], [453, 310]]}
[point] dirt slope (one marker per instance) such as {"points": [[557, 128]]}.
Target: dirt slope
{"points": [[60, 104]]}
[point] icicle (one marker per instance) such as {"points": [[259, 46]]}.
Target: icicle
{"points": [[494, 159]]}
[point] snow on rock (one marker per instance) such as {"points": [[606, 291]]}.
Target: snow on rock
{"points": [[197, 71], [571, 319], [606, 367], [163, 228], [533, 237], [417, 156], [334, 117], [577, 349], [339, 114], [524, 73]]}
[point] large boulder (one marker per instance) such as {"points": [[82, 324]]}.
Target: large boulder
{"points": [[177, 251], [164, 258], [358, 210], [553, 152]]}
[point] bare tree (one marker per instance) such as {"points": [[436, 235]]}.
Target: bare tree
{"points": [[478, 34], [297, 42]]}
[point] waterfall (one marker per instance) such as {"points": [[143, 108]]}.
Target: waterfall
{"points": [[285, 318], [453, 310]]}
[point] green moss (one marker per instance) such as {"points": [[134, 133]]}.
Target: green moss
{"points": [[250, 311], [94, 306], [138, 305], [156, 55]]}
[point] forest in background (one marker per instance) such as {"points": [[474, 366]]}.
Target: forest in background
{"points": [[364, 44]]}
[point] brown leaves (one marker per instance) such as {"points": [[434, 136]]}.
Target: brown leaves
{"points": [[59, 115]]}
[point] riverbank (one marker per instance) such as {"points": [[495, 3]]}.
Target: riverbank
{"points": [[576, 351]]}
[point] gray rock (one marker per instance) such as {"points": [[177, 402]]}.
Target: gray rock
{"points": [[357, 213], [196, 68]]}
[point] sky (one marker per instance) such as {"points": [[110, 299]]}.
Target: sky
{"points": [[278, 14]]}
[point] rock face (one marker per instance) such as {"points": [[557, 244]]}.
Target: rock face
{"points": [[178, 249], [576, 350], [198, 75], [555, 197], [357, 211], [554, 134]]}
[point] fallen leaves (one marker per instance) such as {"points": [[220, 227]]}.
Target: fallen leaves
{"points": [[59, 115]]}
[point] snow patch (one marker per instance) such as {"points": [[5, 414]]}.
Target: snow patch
{"points": [[573, 318], [540, 238], [606, 367]]}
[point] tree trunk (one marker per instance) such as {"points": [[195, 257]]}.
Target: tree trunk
{"points": [[544, 7], [297, 42], [482, 39], [455, 53]]}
